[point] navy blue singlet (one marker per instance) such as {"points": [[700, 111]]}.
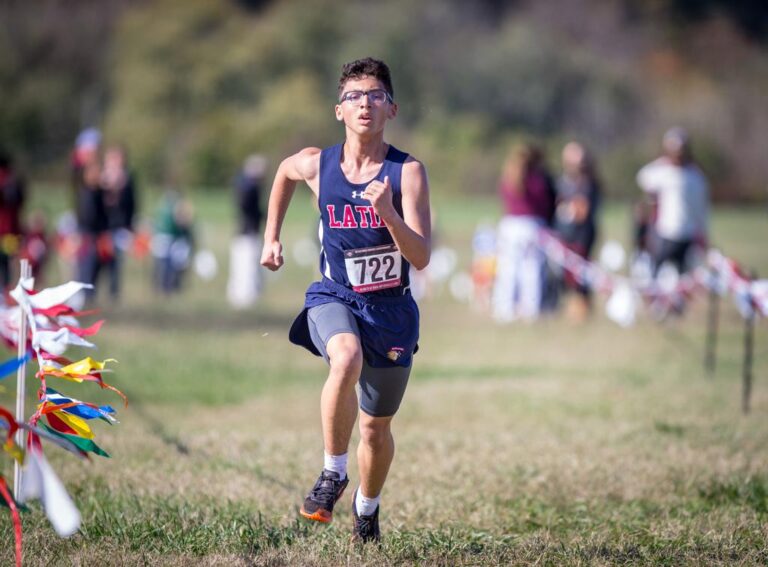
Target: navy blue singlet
{"points": [[361, 266], [357, 250]]}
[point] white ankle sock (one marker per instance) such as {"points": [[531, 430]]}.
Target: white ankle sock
{"points": [[337, 463], [365, 506]]}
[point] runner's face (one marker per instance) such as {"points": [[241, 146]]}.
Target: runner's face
{"points": [[365, 116]]}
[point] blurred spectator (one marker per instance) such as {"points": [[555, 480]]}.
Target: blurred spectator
{"points": [[641, 261], [173, 241], [12, 193], [681, 195], [244, 285], [483, 266], [578, 197], [248, 189], [35, 246], [96, 249], [141, 247], [66, 243], [86, 151], [528, 199], [120, 204], [643, 217]]}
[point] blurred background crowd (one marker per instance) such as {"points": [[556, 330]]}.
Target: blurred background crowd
{"points": [[511, 273], [556, 107]]}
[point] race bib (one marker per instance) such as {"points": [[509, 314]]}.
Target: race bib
{"points": [[374, 268]]}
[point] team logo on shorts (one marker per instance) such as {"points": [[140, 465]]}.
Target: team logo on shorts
{"points": [[395, 353]]}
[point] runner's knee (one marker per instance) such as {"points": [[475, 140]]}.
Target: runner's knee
{"points": [[345, 353], [375, 431]]}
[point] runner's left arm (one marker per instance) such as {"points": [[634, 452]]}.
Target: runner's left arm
{"points": [[412, 232]]}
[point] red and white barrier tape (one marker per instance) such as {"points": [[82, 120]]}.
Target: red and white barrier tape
{"points": [[720, 273]]}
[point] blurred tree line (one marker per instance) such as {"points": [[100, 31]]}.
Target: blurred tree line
{"points": [[191, 87]]}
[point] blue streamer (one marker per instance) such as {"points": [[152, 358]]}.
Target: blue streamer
{"points": [[10, 366], [83, 411]]}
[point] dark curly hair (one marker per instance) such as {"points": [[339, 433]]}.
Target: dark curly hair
{"points": [[368, 67]]}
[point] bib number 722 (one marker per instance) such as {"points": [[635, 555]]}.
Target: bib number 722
{"points": [[374, 268]]}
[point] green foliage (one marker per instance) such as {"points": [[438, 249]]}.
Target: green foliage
{"points": [[52, 76], [238, 85], [193, 87]]}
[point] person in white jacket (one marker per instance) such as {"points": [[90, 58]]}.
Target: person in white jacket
{"points": [[680, 192]]}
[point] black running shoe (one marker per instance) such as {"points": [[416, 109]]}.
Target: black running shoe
{"points": [[319, 503], [366, 528]]}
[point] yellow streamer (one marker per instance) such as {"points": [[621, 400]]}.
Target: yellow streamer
{"points": [[76, 423], [53, 371], [84, 366], [14, 451]]}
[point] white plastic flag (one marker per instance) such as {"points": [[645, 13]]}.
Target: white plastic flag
{"points": [[57, 295], [41, 483], [244, 284], [759, 291], [612, 256], [621, 307], [56, 342]]}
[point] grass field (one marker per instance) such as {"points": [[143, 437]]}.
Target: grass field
{"points": [[530, 444]]}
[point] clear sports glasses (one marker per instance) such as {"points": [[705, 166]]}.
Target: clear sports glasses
{"points": [[375, 96]]}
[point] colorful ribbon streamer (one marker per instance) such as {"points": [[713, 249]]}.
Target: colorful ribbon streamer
{"points": [[53, 327], [11, 503], [8, 367]]}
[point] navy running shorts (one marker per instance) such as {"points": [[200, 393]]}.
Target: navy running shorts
{"points": [[388, 331]]}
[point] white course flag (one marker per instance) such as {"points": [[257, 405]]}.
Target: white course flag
{"points": [[40, 482], [244, 285], [621, 307], [57, 295], [43, 300], [56, 342], [759, 291]]}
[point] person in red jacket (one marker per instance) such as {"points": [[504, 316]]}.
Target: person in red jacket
{"points": [[528, 200], [12, 193]]}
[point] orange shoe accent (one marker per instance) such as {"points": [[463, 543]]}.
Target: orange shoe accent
{"points": [[323, 516]]}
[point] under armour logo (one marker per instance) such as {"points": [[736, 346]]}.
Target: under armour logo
{"points": [[357, 194]]}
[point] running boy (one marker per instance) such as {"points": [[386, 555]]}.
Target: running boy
{"points": [[374, 224]]}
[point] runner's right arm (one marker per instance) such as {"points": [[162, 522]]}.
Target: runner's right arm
{"points": [[302, 166]]}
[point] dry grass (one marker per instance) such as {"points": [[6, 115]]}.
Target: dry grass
{"points": [[544, 444]]}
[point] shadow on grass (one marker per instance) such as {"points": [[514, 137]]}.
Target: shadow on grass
{"points": [[162, 318], [158, 428]]}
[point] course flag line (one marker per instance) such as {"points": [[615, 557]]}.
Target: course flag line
{"points": [[721, 274], [60, 419]]}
